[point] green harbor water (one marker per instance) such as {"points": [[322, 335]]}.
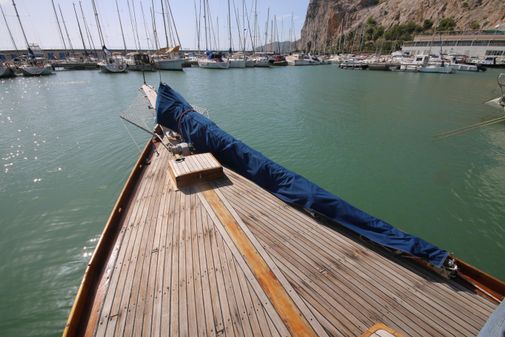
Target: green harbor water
{"points": [[365, 136]]}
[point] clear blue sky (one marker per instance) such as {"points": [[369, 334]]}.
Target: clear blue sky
{"points": [[41, 28]]}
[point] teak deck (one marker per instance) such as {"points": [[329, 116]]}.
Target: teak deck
{"points": [[226, 258], [177, 269]]}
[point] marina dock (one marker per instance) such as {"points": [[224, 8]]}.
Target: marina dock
{"points": [[226, 258]]}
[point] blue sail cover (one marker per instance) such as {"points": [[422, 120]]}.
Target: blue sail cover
{"points": [[173, 112]]}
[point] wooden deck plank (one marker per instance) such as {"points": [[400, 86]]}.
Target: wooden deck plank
{"points": [[192, 317], [233, 294], [174, 287], [230, 327], [200, 320], [212, 320], [151, 312], [133, 227], [218, 316], [166, 302], [156, 321], [108, 313], [134, 315]]}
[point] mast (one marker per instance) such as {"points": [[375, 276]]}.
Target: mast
{"points": [[136, 25], [171, 38], [80, 30], [59, 27], [229, 27], [255, 44], [164, 21], [131, 23], [66, 30], [197, 22], [266, 28], [205, 24], [237, 19], [173, 23], [99, 28], [249, 30], [243, 26], [145, 26], [291, 33], [86, 28], [8, 29], [121, 26], [155, 31], [217, 24], [20, 24], [212, 33]]}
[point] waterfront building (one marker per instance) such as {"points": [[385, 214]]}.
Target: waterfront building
{"points": [[473, 44]]}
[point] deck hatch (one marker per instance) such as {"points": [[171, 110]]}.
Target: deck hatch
{"points": [[196, 168]]}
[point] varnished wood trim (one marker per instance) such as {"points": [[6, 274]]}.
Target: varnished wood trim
{"points": [[483, 283]]}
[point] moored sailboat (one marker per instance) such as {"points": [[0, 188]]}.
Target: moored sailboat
{"points": [[168, 58], [214, 60], [33, 65], [113, 63]]}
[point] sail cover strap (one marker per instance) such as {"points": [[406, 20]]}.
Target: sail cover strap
{"points": [[174, 112]]}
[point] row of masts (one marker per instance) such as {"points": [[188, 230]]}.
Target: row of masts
{"points": [[246, 22], [247, 32], [171, 33]]}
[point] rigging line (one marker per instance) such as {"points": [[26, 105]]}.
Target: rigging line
{"points": [[66, 30], [59, 27], [148, 38], [88, 33], [173, 22], [8, 29], [131, 136], [131, 24], [469, 128]]}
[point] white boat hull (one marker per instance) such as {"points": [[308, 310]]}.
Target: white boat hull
{"points": [[464, 67], [29, 70], [211, 64], [249, 63], [175, 64], [262, 63], [301, 62], [114, 68], [240, 63], [436, 70]]}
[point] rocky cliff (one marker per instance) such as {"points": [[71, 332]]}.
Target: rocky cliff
{"points": [[334, 24]]}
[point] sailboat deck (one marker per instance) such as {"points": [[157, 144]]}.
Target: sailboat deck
{"points": [[178, 269]]}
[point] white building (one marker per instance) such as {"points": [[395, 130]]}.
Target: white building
{"points": [[471, 44]]}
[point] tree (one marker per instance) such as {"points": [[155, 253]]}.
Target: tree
{"points": [[427, 24], [474, 25], [446, 24]]}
